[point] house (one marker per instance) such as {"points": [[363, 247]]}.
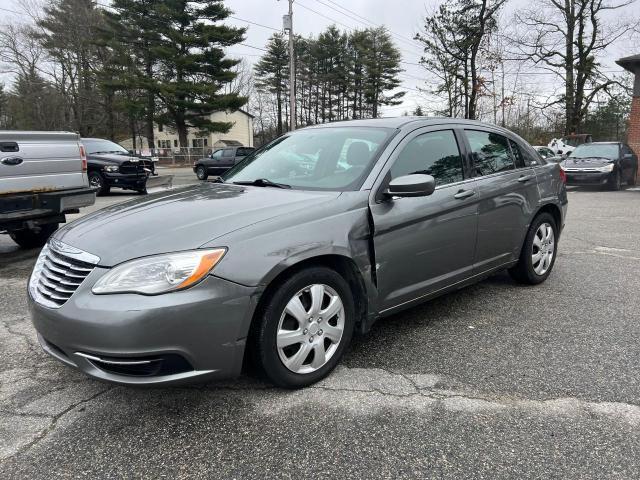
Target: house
{"points": [[240, 134]]}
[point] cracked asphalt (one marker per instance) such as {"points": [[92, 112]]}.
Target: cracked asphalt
{"points": [[493, 381]]}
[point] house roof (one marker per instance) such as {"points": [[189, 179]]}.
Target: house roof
{"points": [[631, 63]]}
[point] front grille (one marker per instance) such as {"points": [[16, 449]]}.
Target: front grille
{"points": [[58, 273], [141, 167]]}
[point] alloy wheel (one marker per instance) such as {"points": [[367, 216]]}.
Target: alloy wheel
{"points": [[310, 329], [543, 249], [95, 182]]}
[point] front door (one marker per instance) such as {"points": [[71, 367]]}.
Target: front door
{"points": [[423, 244], [508, 190]]}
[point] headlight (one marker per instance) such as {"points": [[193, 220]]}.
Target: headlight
{"points": [[160, 273], [606, 168], [111, 168]]}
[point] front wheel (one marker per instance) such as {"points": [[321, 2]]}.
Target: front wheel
{"points": [[538, 252], [615, 183], [305, 327], [633, 178], [97, 181], [33, 238], [201, 173]]}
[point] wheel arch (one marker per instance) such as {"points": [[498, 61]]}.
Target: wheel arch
{"points": [[555, 212], [343, 265]]}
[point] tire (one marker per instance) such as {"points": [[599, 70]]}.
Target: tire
{"points": [[97, 181], [142, 191], [312, 346], [28, 238], [633, 178], [615, 183], [201, 173], [528, 271]]}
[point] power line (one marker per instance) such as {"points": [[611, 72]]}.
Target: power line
{"points": [[255, 23], [369, 22]]}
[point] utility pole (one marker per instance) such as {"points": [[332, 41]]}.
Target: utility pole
{"points": [[287, 22]]}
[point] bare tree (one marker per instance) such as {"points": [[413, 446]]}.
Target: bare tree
{"points": [[568, 38]]}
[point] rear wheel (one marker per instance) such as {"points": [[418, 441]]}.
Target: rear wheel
{"points": [[305, 327], [97, 181], [538, 252], [34, 238], [201, 172]]}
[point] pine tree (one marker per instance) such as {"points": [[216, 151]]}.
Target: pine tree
{"points": [[272, 73], [191, 65]]}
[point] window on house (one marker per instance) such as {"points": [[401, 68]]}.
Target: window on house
{"points": [[175, 143]]}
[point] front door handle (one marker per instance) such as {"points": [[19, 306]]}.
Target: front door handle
{"points": [[464, 194], [526, 178], [11, 160]]}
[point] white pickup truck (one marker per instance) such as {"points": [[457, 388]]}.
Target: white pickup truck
{"points": [[43, 177]]}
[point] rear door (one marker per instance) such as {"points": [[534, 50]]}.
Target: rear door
{"points": [[40, 161], [509, 196], [424, 244]]}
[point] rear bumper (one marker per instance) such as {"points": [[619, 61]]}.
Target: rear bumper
{"points": [[16, 209]]}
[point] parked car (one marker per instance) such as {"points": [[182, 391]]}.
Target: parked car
{"points": [[547, 154], [112, 165], [220, 160], [43, 177], [601, 163], [283, 263], [565, 145]]}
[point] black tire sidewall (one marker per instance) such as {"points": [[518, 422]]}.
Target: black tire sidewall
{"points": [[201, 173], [531, 276], [102, 189], [616, 181], [29, 239], [265, 338]]}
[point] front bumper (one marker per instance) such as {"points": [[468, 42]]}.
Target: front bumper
{"points": [[133, 181], [205, 327], [588, 178]]}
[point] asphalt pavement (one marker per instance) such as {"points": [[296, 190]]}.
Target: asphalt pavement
{"points": [[494, 381]]}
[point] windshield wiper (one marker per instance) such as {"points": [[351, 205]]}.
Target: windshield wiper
{"points": [[262, 182]]}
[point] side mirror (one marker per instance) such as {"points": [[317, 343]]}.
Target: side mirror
{"points": [[415, 185], [627, 156]]}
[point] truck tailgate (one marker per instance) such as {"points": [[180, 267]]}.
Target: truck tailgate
{"points": [[40, 162]]}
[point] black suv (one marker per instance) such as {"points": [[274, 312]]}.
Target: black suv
{"points": [[112, 165], [601, 163], [220, 161]]}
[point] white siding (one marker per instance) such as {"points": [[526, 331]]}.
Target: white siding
{"points": [[241, 131]]}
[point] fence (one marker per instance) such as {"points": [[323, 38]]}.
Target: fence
{"points": [[176, 157]]}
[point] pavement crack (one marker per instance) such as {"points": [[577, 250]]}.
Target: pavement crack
{"points": [[54, 421]]}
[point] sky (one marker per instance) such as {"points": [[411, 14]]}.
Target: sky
{"points": [[403, 18]]}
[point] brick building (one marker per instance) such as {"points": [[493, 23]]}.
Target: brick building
{"points": [[632, 64]]}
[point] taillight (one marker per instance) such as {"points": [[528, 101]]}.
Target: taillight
{"points": [[83, 157], [563, 176]]}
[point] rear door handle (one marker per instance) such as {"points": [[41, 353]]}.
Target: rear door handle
{"points": [[526, 178], [464, 194], [11, 160]]}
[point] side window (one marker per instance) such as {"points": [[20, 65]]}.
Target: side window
{"points": [[227, 152], [434, 153], [491, 152], [521, 159], [216, 154]]}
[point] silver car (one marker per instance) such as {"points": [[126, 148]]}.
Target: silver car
{"points": [[307, 241]]}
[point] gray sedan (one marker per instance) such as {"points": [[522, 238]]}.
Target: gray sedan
{"points": [[312, 238]]}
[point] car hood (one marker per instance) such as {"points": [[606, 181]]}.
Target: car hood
{"points": [[114, 158], [180, 219], [586, 162]]}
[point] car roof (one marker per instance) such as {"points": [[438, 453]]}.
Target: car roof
{"points": [[603, 143], [401, 122], [96, 138]]}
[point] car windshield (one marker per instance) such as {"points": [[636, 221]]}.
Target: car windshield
{"points": [[329, 158], [102, 146], [587, 150]]}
